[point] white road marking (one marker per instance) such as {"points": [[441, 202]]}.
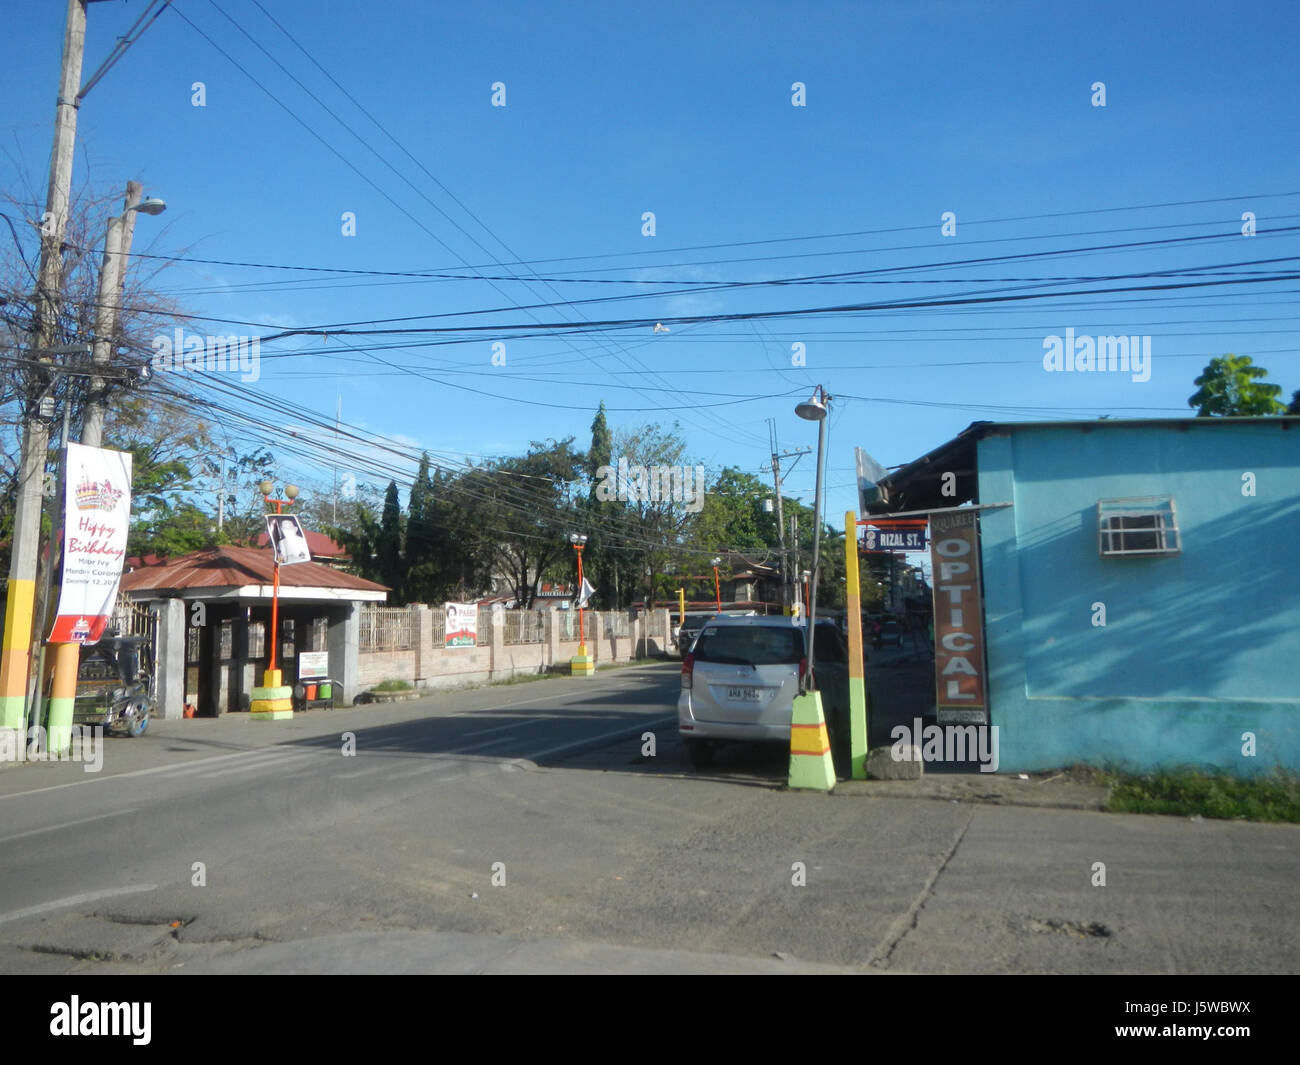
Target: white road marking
{"points": [[520, 702], [67, 824], [626, 730], [263, 763], [515, 724], [183, 767], [74, 900]]}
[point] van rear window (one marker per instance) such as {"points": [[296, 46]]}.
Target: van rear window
{"points": [[749, 645]]}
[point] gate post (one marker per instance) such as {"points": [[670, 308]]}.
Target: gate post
{"points": [[169, 656]]}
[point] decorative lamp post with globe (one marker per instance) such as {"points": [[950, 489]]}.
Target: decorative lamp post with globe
{"points": [[274, 700]]}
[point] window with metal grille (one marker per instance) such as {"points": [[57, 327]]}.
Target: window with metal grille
{"points": [[1142, 526]]}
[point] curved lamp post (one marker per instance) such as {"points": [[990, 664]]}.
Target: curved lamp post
{"points": [[814, 409]]}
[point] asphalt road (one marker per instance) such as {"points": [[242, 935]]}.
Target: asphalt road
{"points": [[522, 829]]}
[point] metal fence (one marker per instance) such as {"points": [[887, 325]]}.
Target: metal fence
{"points": [[566, 622], [438, 627], [385, 628], [523, 626], [131, 618], [617, 624]]}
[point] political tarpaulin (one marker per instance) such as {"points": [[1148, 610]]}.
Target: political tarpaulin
{"points": [[96, 515], [462, 625]]}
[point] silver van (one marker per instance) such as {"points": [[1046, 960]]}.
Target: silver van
{"points": [[741, 675]]}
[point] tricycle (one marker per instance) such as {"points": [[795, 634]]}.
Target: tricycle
{"points": [[113, 685]]}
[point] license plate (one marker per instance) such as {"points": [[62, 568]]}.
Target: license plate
{"points": [[743, 695]]}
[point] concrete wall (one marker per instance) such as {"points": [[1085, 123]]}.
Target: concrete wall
{"points": [[169, 651], [429, 665], [1197, 649]]}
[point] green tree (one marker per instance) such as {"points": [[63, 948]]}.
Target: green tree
{"points": [[520, 513], [422, 541], [167, 485], [1231, 386], [734, 514], [1294, 408], [388, 546], [657, 531], [599, 521], [242, 503]]}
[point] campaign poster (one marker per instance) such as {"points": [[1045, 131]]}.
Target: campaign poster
{"points": [[462, 625]]}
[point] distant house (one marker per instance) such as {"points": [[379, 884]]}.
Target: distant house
{"points": [[1141, 598]]}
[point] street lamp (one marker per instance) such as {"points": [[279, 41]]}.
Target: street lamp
{"points": [[717, 587], [581, 663], [117, 247], [814, 409]]}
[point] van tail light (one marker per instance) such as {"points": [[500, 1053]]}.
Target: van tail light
{"points": [[803, 667], [688, 670]]}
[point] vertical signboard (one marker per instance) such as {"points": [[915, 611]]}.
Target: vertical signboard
{"points": [[958, 620], [96, 514]]}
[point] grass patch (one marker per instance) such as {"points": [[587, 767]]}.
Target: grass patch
{"points": [[634, 662], [562, 670], [392, 686], [1186, 792], [526, 678]]}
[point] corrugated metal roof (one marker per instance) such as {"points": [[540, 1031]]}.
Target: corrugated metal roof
{"points": [[239, 567]]}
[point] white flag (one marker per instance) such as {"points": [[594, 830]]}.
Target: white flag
{"points": [[585, 593]]}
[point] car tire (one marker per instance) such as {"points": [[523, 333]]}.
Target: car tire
{"points": [[700, 753]]}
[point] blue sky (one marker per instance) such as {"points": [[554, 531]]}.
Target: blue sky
{"points": [[911, 110]]}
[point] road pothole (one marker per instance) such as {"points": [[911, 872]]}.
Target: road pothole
{"points": [[1074, 929], [79, 954], [153, 922]]}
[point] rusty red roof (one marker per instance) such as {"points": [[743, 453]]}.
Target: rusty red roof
{"points": [[239, 567]]}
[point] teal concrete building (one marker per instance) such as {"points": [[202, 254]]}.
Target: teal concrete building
{"points": [[1141, 587]]}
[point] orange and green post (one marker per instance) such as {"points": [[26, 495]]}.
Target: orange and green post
{"points": [[15, 652]]}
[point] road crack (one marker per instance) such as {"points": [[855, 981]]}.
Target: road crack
{"points": [[902, 925]]}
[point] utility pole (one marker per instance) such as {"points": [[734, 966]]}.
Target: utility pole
{"points": [[794, 560], [16, 654], [788, 582], [117, 246], [338, 416], [221, 496]]}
